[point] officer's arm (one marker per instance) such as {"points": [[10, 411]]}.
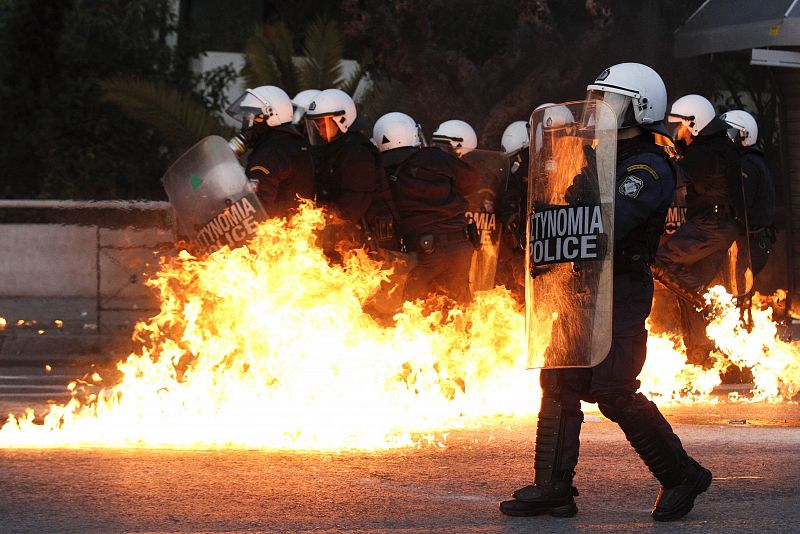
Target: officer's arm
{"points": [[268, 169], [641, 189], [698, 164], [360, 180]]}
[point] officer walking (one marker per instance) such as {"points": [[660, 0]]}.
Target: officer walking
{"points": [[759, 187], [279, 164], [429, 187], [690, 257], [350, 178], [645, 183]]}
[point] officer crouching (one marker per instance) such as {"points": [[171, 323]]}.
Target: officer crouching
{"points": [[429, 187]]}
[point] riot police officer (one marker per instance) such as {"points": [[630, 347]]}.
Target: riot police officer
{"points": [[428, 187], [350, 178], [690, 257], [645, 184], [511, 208], [759, 188], [279, 164]]}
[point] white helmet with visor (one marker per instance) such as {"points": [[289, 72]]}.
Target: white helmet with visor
{"points": [[458, 136], [268, 104], [744, 124], [635, 92], [396, 130], [329, 115]]}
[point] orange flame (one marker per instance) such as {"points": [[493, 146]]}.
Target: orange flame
{"points": [[269, 346]]}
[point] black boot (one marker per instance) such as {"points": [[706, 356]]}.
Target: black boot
{"points": [[552, 492], [682, 479], [675, 502], [556, 499]]}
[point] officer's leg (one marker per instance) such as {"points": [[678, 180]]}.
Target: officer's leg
{"points": [[614, 386], [699, 238], [693, 326], [557, 443], [452, 274], [419, 279]]}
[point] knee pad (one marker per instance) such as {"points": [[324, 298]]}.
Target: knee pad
{"points": [[625, 408]]}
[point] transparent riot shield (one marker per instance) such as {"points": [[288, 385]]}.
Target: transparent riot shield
{"points": [[570, 228], [209, 191], [494, 169]]}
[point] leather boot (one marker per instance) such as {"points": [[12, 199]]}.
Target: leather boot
{"points": [[676, 501], [682, 478], [552, 492]]}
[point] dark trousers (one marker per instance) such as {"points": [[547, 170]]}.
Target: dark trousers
{"points": [[695, 250], [694, 254], [445, 270], [760, 249], [613, 383]]}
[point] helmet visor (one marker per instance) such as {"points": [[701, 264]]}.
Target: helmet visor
{"points": [[736, 134], [621, 104], [246, 107], [323, 128], [447, 142]]}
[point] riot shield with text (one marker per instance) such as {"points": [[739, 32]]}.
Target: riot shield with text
{"points": [[676, 215], [209, 191], [494, 169], [570, 228]]}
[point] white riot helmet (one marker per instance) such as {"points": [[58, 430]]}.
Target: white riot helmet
{"points": [[267, 104], [329, 115], [396, 130], [516, 137], [554, 117], [693, 111], [301, 101], [744, 124], [457, 135], [635, 92]]}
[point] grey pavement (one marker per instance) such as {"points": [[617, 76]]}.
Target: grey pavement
{"points": [[456, 489]]}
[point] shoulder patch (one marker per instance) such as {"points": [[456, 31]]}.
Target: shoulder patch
{"points": [[259, 168], [643, 167], [631, 186]]}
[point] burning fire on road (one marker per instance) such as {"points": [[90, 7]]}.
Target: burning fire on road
{"points": [[269, 346]]}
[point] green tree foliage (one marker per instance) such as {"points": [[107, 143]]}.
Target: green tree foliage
{"points": [[60, 138], [179, 117]]}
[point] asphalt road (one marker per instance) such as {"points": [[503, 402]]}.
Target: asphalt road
{"points": [[455, 489]]}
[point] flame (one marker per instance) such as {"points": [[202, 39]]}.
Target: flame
{"points": [[269, 346]]}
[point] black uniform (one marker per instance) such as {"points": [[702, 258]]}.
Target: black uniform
{"points": [[714, 199], [511, 208], [759, 193], [645, 187], [351, 182], [692, 255], [282, 166], [428, 186]]}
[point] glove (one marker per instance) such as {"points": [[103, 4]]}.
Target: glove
{"points": [[584, 188]]}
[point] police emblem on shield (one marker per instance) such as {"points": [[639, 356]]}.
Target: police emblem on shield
{"points": [[208, 189], [570, 246]]}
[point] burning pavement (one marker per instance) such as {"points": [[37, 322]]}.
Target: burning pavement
{"points": [[420, 422]]}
